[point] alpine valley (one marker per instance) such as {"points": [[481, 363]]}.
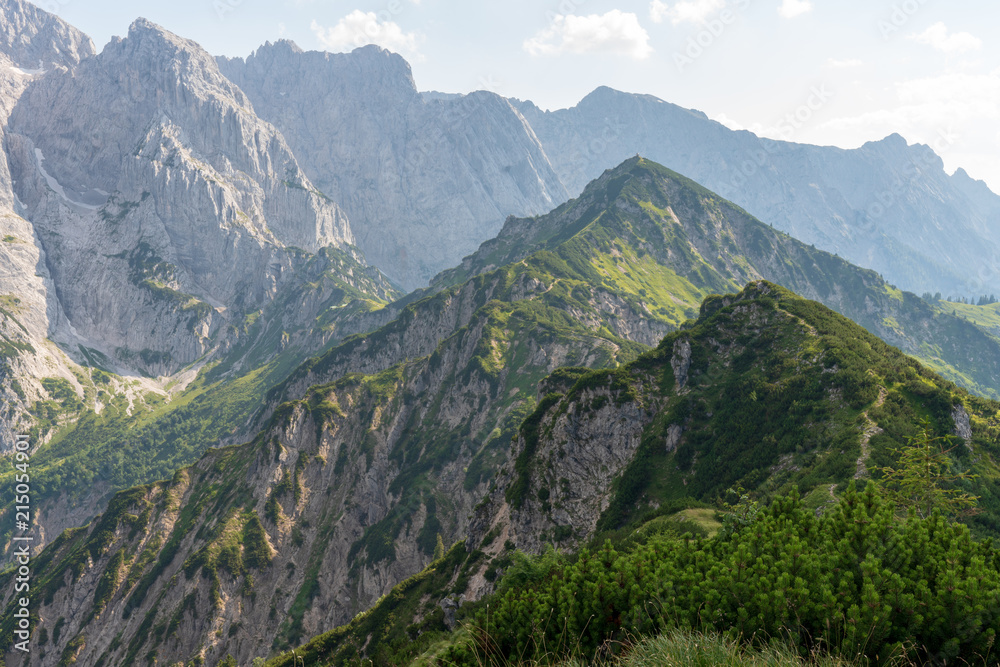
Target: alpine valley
{"points": [[315, 366]]}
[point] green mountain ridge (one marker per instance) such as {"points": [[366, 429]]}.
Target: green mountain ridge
{"points": [[713, 246], [356, 472], [765, 391]]}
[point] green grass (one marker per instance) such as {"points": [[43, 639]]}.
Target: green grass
{"points": [[158, 438], [678, 648], [987, 317], [705, 518]]}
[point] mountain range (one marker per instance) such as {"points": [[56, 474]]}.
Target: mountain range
{"points": [[283, 328], [359, 126], [366, 455]]}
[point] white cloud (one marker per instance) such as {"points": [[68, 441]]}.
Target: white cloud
{"points": [[658, 10], [615, 32], [932, 104], [728, 122], [694, 11], [938, 37], [851, 62], [792, 8], [955, 113], [360, 28]]}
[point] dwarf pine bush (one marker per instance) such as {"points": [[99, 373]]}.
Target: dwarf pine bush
{"points": [[857, 582]]}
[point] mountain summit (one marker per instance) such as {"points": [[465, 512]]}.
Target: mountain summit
{"points": [[35, 39], [673, 242], [160, 198]]}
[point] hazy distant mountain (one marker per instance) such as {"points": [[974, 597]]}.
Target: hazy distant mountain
{"points": [[424, 178], [885, 206]]}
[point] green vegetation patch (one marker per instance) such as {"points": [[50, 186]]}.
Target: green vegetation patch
{"points": [[854, 582]]}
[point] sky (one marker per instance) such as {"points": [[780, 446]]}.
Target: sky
{"points": [[831, 72]]}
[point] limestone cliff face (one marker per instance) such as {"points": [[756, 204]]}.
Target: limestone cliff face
{"points": [[147, 219], [423, 179], [160, 199], [31, 42], [35, 39]]}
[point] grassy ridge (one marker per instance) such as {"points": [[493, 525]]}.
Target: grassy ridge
{"points": [[667, 242]]}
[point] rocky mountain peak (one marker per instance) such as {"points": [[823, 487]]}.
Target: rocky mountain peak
{"points": [[382, 71], [423, 180], [286, 44], [372, 58], [137, 92], [609, 100], [148, 156], [161, 60], [36, 39], [894, 141]]}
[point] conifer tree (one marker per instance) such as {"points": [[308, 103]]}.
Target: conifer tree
{"points": [[923, 482]]}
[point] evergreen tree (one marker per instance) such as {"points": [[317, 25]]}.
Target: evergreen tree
{"points": [[923, 481]]}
